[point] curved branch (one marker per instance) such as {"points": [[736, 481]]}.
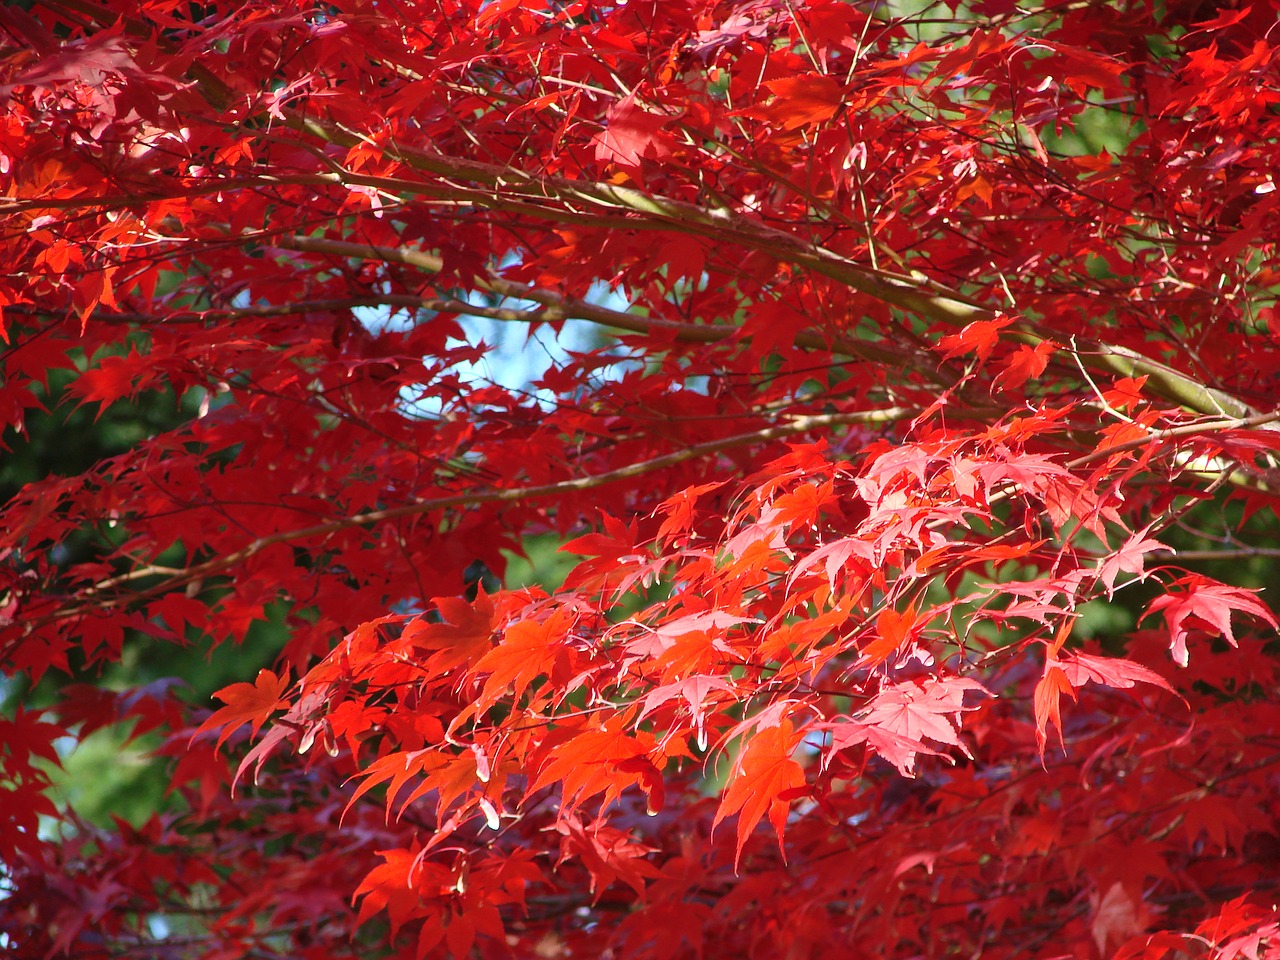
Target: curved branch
{"points": [[560, 307]]}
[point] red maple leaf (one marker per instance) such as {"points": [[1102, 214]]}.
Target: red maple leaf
{"points": [[1197, 600], [250, 703], [630, 133], [979, 337], [766, 781], [928, 709]]}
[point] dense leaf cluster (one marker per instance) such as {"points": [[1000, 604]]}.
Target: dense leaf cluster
{"points": [[935, 332]]}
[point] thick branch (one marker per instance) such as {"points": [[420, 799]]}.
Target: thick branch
{"points": [[560, 307]]}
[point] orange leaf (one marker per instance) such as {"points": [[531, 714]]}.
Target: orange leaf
{"points": [[892, 628], [1051, 686], [980, 337], [767, 782], [465, 636], [596, 761], [802, 101], [1026, 363], [527, 650], [245, 703]]}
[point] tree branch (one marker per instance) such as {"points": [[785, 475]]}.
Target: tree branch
{"points": [[174, 579], [545, 195], [561, 307]]}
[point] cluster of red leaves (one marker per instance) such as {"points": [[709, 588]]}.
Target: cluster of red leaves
{"points": [[909, 378]]}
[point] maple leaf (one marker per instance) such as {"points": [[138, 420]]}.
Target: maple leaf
{"points": [[979, 337], [1129, 558], [1025, 364], [1073, 671], [249, 703], [1201, 601], [617, 541], [607, 853], [836, 557], [527, 649], [1224, 19], [686, 259], [928, 709], [1125, 393], [764, 260], [1049, 689], [395, 885], [1085, 69], [631, 133], [766, 780], [898, 750], [1081, 668], [94, 289], [1118, 914], [892, 629], [802, 101], [114, 378], [464, 636], [693, 691], [734, 28], [679, 509], [396, 769], [588, 763]]}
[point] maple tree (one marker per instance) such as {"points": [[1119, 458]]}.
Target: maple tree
{"points": [[908, 388]]}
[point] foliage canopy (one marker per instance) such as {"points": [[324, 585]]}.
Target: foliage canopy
{"points": [[918, 494]]}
